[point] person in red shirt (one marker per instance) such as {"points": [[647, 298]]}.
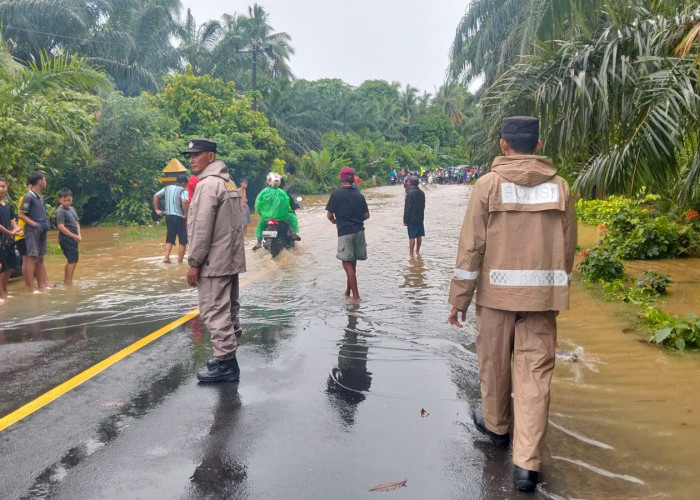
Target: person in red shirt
{"points": [[191, 184]]}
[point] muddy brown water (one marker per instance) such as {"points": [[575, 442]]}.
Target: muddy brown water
{"points": [[625, 418]]}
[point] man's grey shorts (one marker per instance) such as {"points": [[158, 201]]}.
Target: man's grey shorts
{"points": [[352, 247], [35, 239]]}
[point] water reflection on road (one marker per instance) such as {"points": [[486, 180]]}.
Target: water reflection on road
{"points": [[333, 391]]}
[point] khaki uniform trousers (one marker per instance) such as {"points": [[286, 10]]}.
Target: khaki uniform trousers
{"points": [[218, 306], [529, 340]]}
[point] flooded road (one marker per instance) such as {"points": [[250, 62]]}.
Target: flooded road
{"points": [[331, 394]]}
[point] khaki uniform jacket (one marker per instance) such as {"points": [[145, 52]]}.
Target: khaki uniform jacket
{"points": [[214, 224], [518, 240]]}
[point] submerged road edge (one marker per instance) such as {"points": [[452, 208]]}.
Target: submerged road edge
{"points": [[72, 383]]}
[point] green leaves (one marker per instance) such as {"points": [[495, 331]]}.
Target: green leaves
{"points": [[675, 332], [616, 85]]}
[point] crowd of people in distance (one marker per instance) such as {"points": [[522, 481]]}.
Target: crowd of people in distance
{"points": [[461, 174]]}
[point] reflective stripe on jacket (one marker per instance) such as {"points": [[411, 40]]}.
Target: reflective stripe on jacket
{"points": [[518, 239]]}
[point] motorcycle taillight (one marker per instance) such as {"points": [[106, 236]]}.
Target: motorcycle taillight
{"points": [[272, 222]]}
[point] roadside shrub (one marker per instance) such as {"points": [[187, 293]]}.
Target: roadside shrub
{"points": [[618, 290], [600, 264], [673, 331], [654, 283], [634, 229]]}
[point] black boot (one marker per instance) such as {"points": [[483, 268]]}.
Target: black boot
{"points": [[220, 370], [211, 363], [502, 440], [525, 480]]}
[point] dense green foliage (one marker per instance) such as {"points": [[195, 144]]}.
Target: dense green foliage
{"points": [[639, 228], [63, 117], [600, 264], [635, 228], [672, 330], [228, 80], [615, 84]]}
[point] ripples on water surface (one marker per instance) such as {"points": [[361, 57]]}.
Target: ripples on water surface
{"points": [[624, 418]]}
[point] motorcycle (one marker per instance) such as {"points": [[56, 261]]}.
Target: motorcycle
{"points": [[392, 180], [276, 237]]}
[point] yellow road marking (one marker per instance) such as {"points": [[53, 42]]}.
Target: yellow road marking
{"points": [[74, 382]]}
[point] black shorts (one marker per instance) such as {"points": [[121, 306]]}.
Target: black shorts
{"points": [[8, 258], [21, 247], [176, 227], [415, 230], [70, 249]]}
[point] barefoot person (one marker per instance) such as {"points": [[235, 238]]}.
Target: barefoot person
{"points": [[414, 215], [36, 224], [347, 209], [68, 233], [516, 249], [177, 202]]}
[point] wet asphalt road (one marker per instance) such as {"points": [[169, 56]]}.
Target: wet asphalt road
{"points": [[331, 393]]}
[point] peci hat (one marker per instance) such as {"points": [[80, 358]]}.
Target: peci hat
{"points": [[199, 145], [414, 180], [520, 127]]}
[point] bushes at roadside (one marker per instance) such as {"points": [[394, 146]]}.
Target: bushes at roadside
{"points": [[635, 228], [673, 331], [639, 229]]}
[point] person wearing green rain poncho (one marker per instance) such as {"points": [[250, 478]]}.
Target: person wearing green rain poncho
{"points": [[274, 203]]}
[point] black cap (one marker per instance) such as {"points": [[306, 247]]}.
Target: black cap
{"points": [[413, 180], [521, 127], [199, 145]]}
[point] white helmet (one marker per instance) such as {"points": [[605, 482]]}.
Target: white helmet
{"points": [[273, 179]]}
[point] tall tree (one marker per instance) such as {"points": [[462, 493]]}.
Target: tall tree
{"points": [[197, 44], [249, 47], [620, 107], [130, 39]]}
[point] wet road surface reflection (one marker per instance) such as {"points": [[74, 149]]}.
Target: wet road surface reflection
{"points": [[331, 394]]}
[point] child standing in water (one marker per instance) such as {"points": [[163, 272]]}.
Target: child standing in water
{"points": [[68, 233]]}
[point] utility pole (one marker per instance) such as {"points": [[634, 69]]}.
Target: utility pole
{"points": [[255, 75]]}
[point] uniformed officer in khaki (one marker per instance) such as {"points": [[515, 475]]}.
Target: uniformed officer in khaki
{"points": [[216, 257], [516, 250]]}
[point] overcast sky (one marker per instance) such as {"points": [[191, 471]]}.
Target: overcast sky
{"points": [[356, 40]]}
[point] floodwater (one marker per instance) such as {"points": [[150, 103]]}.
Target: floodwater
{"points": [[331, 393]]}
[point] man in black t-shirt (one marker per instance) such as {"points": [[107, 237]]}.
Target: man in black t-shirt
{"points": [[414, 215], [347, 208]]}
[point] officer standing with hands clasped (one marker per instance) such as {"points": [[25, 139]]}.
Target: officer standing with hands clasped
{"points": [[516, 249], [216, 257]]}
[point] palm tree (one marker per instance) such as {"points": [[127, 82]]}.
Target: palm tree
{"points": [[130, 39], [134, 44], [494, 33], [454, 100], [40, 104], [273, 48], [620, 108], [33, 27], [197, 44]]}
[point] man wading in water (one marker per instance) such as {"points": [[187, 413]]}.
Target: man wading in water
{"points": [[215, 233], [347, 208], [517, 250]]}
